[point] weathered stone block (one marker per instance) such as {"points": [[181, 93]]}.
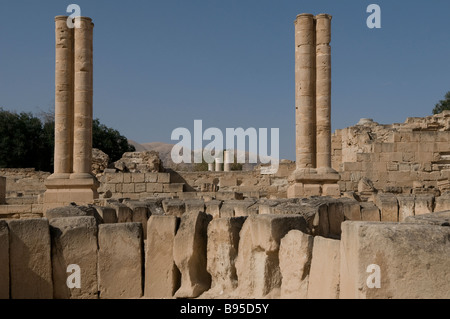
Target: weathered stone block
{"points": [[370, 212], [137, 177], [164, 178], [151, 177], [141, 214], [406, 205], [227, 181], [174, 207], [173, 188], [388, 205], [213, 208], [123, 212], [154, 188], [424, 204], [335, 218], [324, 274], [194, 205], [332, 190], [120, 260], [295, 262], [4, 260], [108, 214], [162, 277], [352, 209], [140, 188], [437, 219], [257, 264], [189, 253], [223, 243], [74, 242], [29, 259], [413, 261], [74, 211], [128, 188]]}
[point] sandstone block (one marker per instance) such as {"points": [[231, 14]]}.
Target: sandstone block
{"points": [[73, 211], [257, 265], [164, 178], [324, 274], [29, 259], [194, 205], [406, 205], [370, 212], [4, 260], [108, 214], [388, 205], [413, 261], [352, 209], [123, 212], [120, 260], [437, 219], [174, 207], [154, 188], [222, 250], [151, 177], [137, 177], [332, 190], [74, 242], [189, 253], [162, 277], [213, 208], [335, 218], [173, 188], [295, 262], [424, 204], [140, 214]]}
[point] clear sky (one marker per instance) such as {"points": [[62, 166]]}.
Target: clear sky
{"points": [[159, 65]]}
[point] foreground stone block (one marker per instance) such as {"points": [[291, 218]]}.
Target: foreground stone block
{"points": [[436, 219], [4, 260], [223, 243], [442, 203], [120, 260], [413, 260], [162, 277], [194, 205], [74, 242], [213, 208], [189, 253], [29, 259], [324, 275], [295, 263], [370, 212], [257, 264]]}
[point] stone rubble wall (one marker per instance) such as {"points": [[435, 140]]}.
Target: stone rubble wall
{"points": [[412, 157], [316, 248]]}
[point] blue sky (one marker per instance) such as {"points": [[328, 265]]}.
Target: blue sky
{"points": [[159, 65]]}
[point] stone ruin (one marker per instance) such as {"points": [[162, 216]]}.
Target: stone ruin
{"points": [[367, 197]]}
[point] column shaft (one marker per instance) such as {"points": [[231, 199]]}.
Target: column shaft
{"points": [[64, 83], [305, 91], [83, 99], [323, 90]]}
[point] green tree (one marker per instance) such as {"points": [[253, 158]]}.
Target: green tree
{"points": [[443, 104], [110, 141], [27, 141]]}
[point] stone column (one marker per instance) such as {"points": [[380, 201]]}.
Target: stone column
{"points": [[323, 92], [211, 167], [64, 56], [82, 147], [219, 164], [228, 160], [305, 92]]}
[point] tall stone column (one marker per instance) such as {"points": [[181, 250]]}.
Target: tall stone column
{"points": [[82, 147], [323, 93], [305, 92], [64, 61]]}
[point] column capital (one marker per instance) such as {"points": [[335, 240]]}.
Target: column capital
{"points": [[323, 16]]}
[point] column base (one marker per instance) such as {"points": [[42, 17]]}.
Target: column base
{"points": [[314, 182], [63, 192]]}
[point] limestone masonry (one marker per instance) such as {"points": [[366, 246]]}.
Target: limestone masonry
{"points": [[362, 213]]}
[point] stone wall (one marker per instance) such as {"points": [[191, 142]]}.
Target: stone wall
{"points": [[400, 158], [2, 190], [316, 248]]}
